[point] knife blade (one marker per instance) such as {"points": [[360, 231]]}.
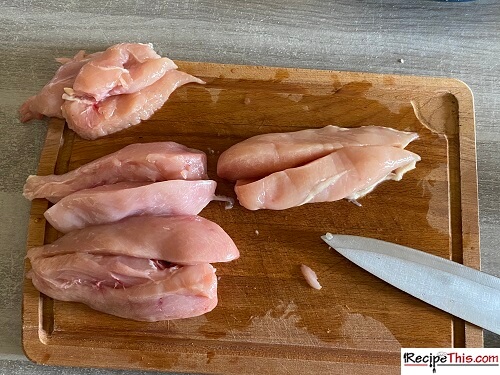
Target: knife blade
{"points": [[462, 291]]}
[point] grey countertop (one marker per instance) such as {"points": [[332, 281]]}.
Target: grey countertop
{"points": [[419, 37]]}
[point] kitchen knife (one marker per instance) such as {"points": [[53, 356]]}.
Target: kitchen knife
{"points": [[469, 294]]}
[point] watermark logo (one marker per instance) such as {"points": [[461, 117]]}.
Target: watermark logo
{"points": [[450, 361]]}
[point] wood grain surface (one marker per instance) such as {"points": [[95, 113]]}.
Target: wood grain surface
{"points": [[268, 318], [418, 37]]}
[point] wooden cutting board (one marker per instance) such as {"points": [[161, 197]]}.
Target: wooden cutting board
{"points": [[268, 319]]}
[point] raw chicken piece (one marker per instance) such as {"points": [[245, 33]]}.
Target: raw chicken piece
{"points": [[92, 120], [107, 91], [350, 172], [134, 288], [110, 203], [99, 270], [157, 161], [49, 100], [264, 154], [122, 69], [310, 277], [184, 240]]}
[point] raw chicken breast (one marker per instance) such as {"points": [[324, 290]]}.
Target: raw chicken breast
{"points": [[122, 69], [264, 154], [92, 120], [108, 91], [99, 270], [184, 240], [350, 172], [49, 100], [134, 288], [110, 203], [157, 161]]}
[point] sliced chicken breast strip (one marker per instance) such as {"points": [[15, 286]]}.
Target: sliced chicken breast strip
{"points": [[264, 154], [184, 240], [92, 120], [350, 172], [156, 161], [122, 69], [127, 287], [49, 100], [111, 203]]}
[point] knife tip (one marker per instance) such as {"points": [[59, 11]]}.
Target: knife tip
{"points": [[328, 236], [336, 240]]}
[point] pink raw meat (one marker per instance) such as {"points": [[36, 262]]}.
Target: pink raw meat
{"points": [[92, 120], [350, 172], [157, 161], [134, 288], [110, 203], [264, 154], [49, 100], [108, 91], [184, 240], [310, 277], [121, 69]]}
